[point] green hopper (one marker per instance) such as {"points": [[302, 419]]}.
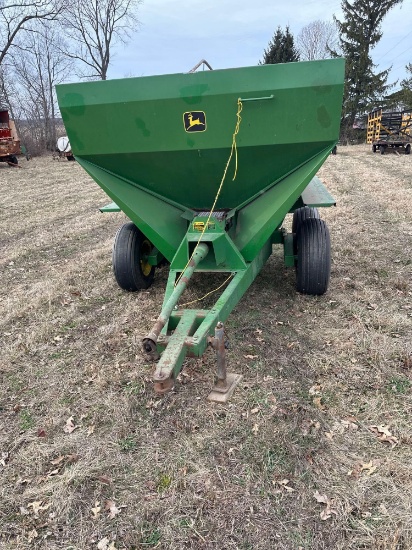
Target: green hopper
{"points": [[206, 165]]}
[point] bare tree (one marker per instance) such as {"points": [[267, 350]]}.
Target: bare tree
{"points": [[16, 17], [38, 68], [5, 90], [95, 26], [316, 40]]}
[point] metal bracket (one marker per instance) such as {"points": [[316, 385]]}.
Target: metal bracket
{"points": [[225, 382]]}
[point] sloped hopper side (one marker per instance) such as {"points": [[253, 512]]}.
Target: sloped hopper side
{"points": [[139, 139]]}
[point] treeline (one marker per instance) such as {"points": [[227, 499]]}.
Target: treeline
{"points": [[354, 38], [46, 42]]}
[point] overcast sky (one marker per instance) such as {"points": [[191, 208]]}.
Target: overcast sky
{"points": [[175, 35]]}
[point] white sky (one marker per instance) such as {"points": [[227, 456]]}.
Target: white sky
{"points": [[174, 36]]}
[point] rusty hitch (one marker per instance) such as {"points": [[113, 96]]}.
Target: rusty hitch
{"points": [[225, 382]]}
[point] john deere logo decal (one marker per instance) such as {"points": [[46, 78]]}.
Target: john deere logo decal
{"points": [[195, 121]]}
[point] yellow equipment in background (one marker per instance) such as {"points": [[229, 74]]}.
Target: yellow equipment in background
{"points": [[390, 129]]}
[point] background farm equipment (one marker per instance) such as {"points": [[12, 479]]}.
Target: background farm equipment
{"points": [[390, 130], [9, 140], [165, 163], [63, 149]]}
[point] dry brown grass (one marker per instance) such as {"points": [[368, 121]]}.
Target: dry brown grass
{"points": [[183, 472]]}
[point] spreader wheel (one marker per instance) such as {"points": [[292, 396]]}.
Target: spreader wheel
{"points": [[374, 148], [13, 159], [408, 149], [302, 214], [313, 263], [131, 250], [382, 149]]}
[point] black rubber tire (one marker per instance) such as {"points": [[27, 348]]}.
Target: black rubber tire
{"points": [[313, 263], [71, 157], [382, 149], [334, 150], [130, 247], [408, 149], [13, 159], [374, 148], [302, 214]]}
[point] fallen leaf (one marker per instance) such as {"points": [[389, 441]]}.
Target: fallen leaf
{"points": [[284, 484], [111, 507], [41, 433], [382, 429], [369, 468], [104, 479], [251, 356], [321, 498], [75, 293], [407, 362], [90, 430], [104, 544], [315, 390], [255, 410], [32, 535], [37, 506], [383, 434], [324, 515], [70, 426], [328, 511], [255, 428], [348, 424], [72, 458], [5, 457], [317, 401], [383, 510], [58, 460], [355, 472], [96, 510], [309, 426]]}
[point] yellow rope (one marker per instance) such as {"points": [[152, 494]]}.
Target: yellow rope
{"points": [[208, 294], [233, 149]]}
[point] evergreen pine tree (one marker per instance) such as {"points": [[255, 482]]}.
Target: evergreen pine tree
{"points": [[406, 91], [281, 49], [359, 33]]}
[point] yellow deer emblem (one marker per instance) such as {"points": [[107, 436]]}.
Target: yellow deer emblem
{"points": [[195, 121]]}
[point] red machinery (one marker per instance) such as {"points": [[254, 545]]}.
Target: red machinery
{"points": [[9, 140]]}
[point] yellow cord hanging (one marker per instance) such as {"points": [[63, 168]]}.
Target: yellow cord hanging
{"points": [[208, 293], [233, 150]]}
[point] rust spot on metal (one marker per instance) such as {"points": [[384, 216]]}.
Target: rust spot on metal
{"points": [[149, 343]]}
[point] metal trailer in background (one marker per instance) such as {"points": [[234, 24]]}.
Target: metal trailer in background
{"points": [[207, 165], [63, 149], [390, 130], [9, 140]]}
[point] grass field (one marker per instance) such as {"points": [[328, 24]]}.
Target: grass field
{"points": [[312, 452]]}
